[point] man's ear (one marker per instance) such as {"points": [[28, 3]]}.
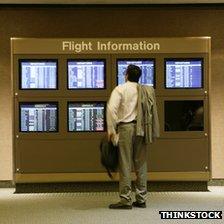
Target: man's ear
{"points": [[126, 77]]}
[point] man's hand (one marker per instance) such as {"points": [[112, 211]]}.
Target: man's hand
{"points": [[114, 138], [110, 136]]}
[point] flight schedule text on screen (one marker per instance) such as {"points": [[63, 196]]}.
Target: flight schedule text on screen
{"points": [[38, 75], [147, 67], [38, 117], [86, 116], [184, 74], [86, 74]]}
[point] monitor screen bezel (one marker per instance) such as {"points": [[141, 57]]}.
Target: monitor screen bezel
{"points": [[87, 60], [138, 59], [40, 61], [39, 102], [86, 102], [185, 59]]}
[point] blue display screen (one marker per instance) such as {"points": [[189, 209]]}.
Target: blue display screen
{"points": [[184, 73], [86, 74], [38, 117], [38, 75], [86, 116], [147, 67]]}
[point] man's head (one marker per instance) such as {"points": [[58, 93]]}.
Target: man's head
{"points": [[133, 73]]}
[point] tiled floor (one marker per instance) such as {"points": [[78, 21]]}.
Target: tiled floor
{"points": [[91, 208]]}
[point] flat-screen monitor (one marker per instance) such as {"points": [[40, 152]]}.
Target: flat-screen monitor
{"points": [[86, 74], [39, 117], [147, 66], [184, 115], [86, 116], [38, 74], [183, 73]]}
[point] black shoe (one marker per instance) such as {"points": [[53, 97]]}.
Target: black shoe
{"points": [[138, 204], [119, 205]]}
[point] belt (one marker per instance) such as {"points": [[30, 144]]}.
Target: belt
{"points": [[130, 122]]}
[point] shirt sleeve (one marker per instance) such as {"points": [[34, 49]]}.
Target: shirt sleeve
{"points": [[112, 111]]}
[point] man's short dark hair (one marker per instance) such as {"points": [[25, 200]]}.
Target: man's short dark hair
{"points": [[133, 73]]}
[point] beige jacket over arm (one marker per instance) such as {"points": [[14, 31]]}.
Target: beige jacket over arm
{"points": [[147, 115]]}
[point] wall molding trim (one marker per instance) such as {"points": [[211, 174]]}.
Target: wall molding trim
{"points": [[110, 2], [6, 184], [94, 177]]}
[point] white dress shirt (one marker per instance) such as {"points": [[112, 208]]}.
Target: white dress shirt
{"points": [[122, 105]]}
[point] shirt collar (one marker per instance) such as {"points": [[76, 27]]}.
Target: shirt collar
{"points": [[131, 82]]}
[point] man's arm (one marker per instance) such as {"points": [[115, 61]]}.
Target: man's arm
{"points": [[112, 112]]}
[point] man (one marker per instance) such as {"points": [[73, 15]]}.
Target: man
{"points": [[125, 122]]}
